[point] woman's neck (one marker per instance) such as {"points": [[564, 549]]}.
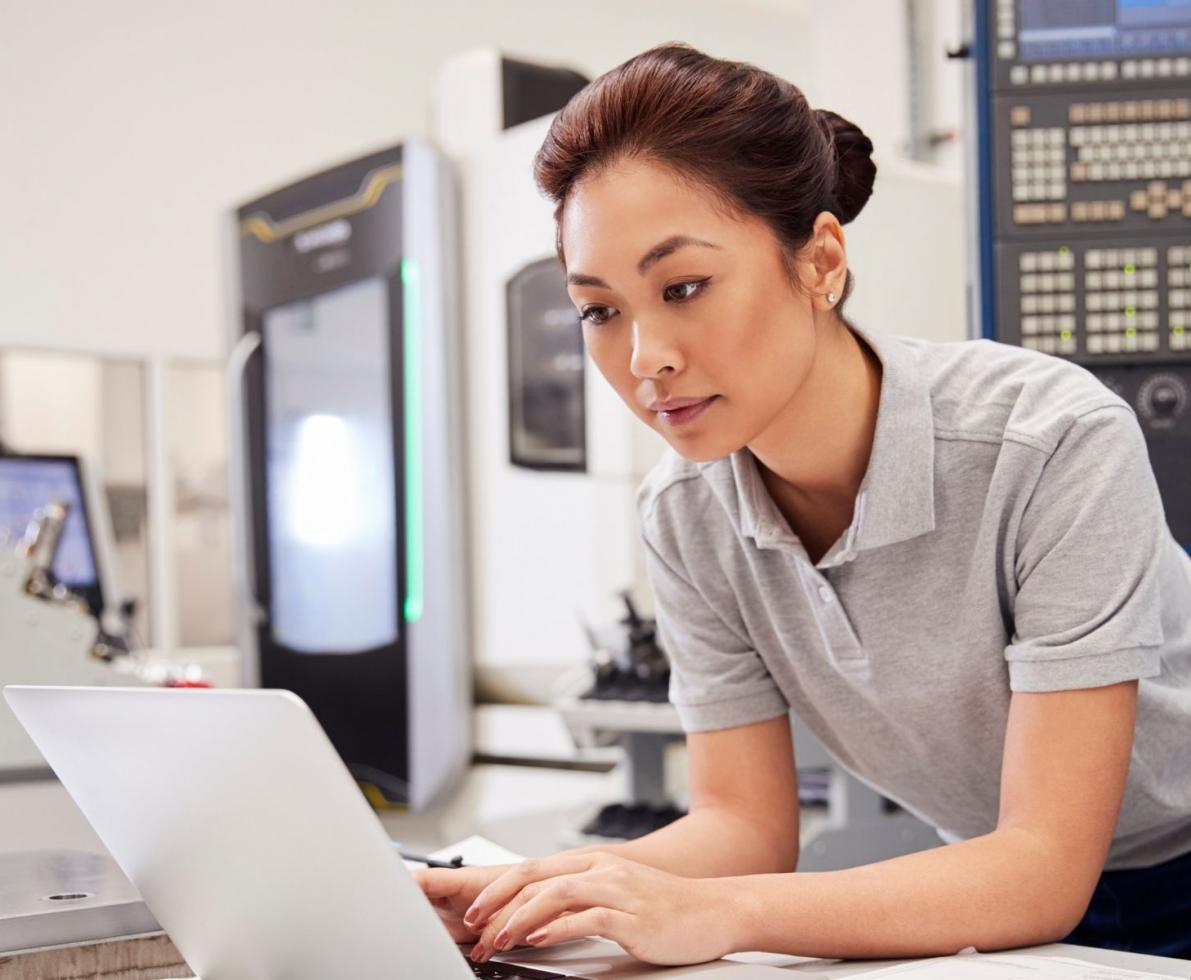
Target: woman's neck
{"points": [[815, 454]]}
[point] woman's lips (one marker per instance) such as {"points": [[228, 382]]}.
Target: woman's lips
{"points": [[686, 413]]}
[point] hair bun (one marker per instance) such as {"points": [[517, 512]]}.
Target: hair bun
{"points": [[855, 170]]}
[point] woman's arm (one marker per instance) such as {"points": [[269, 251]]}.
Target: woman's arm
{"points": [[743, 815], [1064, 766], [743, 820], [1065, 761]]}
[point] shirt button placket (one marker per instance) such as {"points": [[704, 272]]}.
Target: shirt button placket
{"points": [[836, 627]]}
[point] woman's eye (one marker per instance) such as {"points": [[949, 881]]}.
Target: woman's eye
{"points": [[595, 314], [681, 291]]}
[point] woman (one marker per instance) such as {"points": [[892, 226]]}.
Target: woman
{"points": [[951, 561]]}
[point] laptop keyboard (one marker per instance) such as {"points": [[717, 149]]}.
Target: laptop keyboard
{"points": [[506, 971]]}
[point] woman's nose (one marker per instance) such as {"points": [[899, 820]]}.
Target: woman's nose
{"points": [[654, 353]]}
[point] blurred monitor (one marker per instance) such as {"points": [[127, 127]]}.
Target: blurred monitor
{"points": [[30, 482]]}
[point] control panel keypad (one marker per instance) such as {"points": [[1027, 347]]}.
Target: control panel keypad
{"points": [[1121, 295], [1047, 283], [1102, 144], [1178, 276], [1131, 140], [1081, 301], [1064, 73]]}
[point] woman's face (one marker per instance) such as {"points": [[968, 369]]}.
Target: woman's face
{"points": [[687, 309]]}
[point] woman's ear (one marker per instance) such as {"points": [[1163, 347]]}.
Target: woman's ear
{"points": [[829, 260]]}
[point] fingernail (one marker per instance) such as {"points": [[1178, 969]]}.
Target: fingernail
{"points": [[477, 954], [502, 940], [536, 937], [470, 916]]}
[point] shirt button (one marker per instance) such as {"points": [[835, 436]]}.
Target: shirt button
{"points": [[825, 593]]}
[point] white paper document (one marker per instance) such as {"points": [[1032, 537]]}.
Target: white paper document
{"points": [[1007, 966], [474, 850], [477, 850]]}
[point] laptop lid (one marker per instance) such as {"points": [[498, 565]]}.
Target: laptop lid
{"points": [[243, 831]]}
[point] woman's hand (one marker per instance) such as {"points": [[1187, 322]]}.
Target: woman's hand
{"points": [[657, 917], [452, 890]]}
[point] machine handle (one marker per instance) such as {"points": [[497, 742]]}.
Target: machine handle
{"points": [[237, 366]]}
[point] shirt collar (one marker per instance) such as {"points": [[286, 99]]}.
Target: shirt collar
{"points": [[896, 500]]}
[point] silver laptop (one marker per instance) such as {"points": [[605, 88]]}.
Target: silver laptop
{"points": [[252, 846]]}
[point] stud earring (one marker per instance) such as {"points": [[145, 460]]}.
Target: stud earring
{"points": [[831, 296]]}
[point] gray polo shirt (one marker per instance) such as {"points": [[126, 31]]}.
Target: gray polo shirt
{"points": [[1008, 536]]}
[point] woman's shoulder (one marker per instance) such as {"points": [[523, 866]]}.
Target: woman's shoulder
{"points": [[678, 490], [983, 389], [672, 476]]}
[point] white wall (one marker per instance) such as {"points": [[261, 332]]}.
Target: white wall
{"points": [[195, 437], [130, 126], [857, 67], [52, 405]]}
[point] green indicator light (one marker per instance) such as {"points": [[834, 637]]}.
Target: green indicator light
{"points": [[1130, 311], [1066, 335], [1131, 331], [1130, 268], [411, 309], [1064, 250]]}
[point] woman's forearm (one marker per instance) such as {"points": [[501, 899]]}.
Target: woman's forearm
{"points": [[1003, 890], [712, 842]]}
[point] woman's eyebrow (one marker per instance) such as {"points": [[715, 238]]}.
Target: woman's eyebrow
{"points": [[664, 248], [650, 258], [579, 279]]}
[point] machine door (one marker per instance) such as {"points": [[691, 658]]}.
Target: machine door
{"points": [[327, 459]]}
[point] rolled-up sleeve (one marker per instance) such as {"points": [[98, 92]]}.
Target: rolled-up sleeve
{"points": [[1087, 612], [717, 679]]}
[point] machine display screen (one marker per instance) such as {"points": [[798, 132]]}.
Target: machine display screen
{"points": [[331, 489], [28, 483], [1049, 31]]}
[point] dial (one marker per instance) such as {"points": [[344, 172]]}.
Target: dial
{"points": [[1162, 399]]}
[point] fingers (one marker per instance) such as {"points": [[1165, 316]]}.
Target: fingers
{"points": [[459, 884], [458, 931], [608, 923], [449, 916], [497, 894], [574, 893], [543, 901], [450, 891], [486, 944], [444, 882]]}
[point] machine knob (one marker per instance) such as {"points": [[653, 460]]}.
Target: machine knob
{"points": [[1162, 399]]}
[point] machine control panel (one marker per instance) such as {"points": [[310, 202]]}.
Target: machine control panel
{"points": [[1085, 144]]}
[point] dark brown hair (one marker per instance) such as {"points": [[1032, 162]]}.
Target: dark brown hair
{"points": [[745, 134]]}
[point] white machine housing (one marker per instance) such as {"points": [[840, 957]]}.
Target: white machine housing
{"points": [[550, 550]]}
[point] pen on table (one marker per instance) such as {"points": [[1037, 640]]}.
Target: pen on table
{"points": [[454, 862]]}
